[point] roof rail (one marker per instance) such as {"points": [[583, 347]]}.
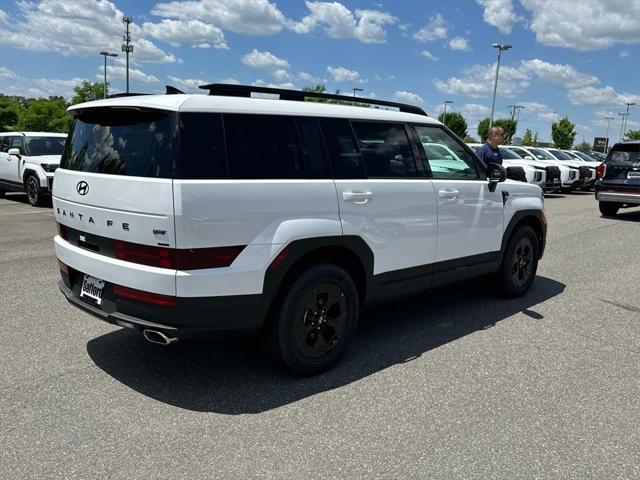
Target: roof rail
{"points": [[230, 90], [124, 94]]}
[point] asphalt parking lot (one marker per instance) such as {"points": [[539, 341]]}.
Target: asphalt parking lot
{"points": [[455, 384]]}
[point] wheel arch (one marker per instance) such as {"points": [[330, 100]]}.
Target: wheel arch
{"points": [[531, 218]]}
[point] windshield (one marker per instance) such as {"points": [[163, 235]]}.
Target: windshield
{"points": [[520, 151], [560, 155], [541, 154], [36, 146], [119, 141], [508, 154], [625, 153], [585, 157]]}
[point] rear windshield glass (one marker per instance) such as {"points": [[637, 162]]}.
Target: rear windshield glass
{"points": [[131, 142], [44, 145], [625, 153]]}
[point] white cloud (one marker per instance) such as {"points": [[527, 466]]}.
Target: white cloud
{"points": [[429, 55], [267, 61], [558, 73], [13, 84], [600, 96], [339, 22], [624, 54], [585, 24], [286, 85], [307, 77], [250, 17], [189, 85], [76, 28], [474, 111], [119, 71], [459, 43], [341, 74], [3, 16], [500, 14], [435, 29], [178, 32], [407, 97]]}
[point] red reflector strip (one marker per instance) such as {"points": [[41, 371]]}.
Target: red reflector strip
{"points": [[177, 259], [62, 231], [279, 259], [63, 267], [146, 297]]}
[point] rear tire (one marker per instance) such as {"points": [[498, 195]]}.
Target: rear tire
{"points": [[608, 209], [2, 192], [315, 320], [519, 264], [32, 187]]}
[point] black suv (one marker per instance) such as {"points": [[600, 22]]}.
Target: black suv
{"points": [[618, 184]]}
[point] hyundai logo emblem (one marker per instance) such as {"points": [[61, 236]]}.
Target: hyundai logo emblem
{"points": [[82, 188]]}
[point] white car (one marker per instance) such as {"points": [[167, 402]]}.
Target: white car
{"points": [[191, 215], [28, 161], [587, 173], [569, 174], [533, 173]]}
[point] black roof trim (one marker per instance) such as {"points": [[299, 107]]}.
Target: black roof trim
{"points": [[229, 90], [130, 94]]}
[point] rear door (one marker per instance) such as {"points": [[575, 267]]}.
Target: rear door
{"points": [[114, 181], [470, 217], [383, 197]]}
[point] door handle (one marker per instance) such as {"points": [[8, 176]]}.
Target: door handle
{"points": [[448, 194], [359, 198]]}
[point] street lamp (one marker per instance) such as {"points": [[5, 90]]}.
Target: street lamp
{"points": [[606, 146], [626, 118], [356, 89], [444, 115], [624, 115], [501, 47], [553, 120], [106, 54]]}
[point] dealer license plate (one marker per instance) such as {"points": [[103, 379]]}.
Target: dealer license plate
{"points": [[633, 175], [92, 289]]}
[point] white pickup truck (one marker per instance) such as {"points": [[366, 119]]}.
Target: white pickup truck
{"points": [[28, 161]]}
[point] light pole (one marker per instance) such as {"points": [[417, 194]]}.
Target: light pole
{"points": [[606, 146], [106, 54], [513, 112], [624, 115], [444, 115], [501, 47], [126, 46], [626, 118], [553, 121], [356, 89]]}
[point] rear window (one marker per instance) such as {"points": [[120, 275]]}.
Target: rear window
{"points": [[625, 153], [385, 150], [44, 145], [130, 142]]}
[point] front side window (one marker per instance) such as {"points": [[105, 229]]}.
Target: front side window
{"points": [[385, 150], [36, 146], [16, 142], [118, 141], [262, 147], [446, 157]]}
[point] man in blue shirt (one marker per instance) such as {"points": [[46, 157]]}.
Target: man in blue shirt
{"points": [[489, 152]]}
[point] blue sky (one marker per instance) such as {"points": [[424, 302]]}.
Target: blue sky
{"points": [[579, 58]]}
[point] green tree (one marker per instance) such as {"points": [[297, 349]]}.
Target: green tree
{"points": [[632, 135], [456, 122], [46, 115], [584, 147], [535, 139], [563, 133], [320, 88], [527, 138], [9, 113], [470, 139], [88, 91], [483, 129]]}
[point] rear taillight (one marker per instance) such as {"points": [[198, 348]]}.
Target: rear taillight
{"points": [[62, 231], [176, 259], [601, 170], [146, 297], [63, 267]]}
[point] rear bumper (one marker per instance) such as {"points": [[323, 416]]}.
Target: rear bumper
{"points": [[191, 318], [618, 197]]}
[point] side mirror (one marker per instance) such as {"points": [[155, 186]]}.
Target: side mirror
{"points": [[495, 174], [14, 151]]}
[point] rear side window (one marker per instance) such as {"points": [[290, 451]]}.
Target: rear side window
{"points": [[385, 150], [262, 147], [114, 141], [202, 147], [343, 151], [313, 148]]}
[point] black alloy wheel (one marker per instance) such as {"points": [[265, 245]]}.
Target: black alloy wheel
{"points": [[519, 263], [32, 188], [315, 319]]}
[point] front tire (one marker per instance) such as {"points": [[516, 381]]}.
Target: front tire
{"points": [[608, 209], [32, 187], [519, 264], [315, 320]]}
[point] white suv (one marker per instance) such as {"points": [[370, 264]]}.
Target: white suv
{"points": [[28, 161], [190, 215]]}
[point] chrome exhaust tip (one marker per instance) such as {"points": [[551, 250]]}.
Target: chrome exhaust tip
{"points": [[155, 336]]}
